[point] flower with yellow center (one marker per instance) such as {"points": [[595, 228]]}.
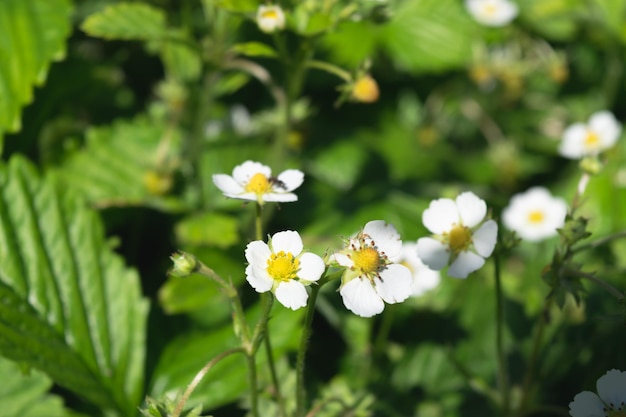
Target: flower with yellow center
{"points": [[372, 277], [492, 12], [282, 267], [600, 133], [254, 181], [462, 238], [535, 214], [610, 401], [270, 18]]}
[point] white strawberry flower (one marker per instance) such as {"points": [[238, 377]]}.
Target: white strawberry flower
{"points": [[609, 402], [424, 278], [462, 238], [372, 277], [600, 133], [535, 214], [254, 181], [492, 12], [270, 18], [282, 267]]}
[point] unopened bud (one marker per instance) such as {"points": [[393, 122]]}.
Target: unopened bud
{"points": [[185, 264]]}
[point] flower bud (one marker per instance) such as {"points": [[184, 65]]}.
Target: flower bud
{"points": [[365, 90], [270, 18], [184, 264]]}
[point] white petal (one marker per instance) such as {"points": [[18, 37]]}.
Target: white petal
{"points": [[385, 237], [606, 126], [257, 253], [311, 267], [440, 216], [612, 387], [280, 197], [260, 281], [465, 264], [288, 241], [242, 173], [433, 253], [395, 284], [425, 279], [360, 297], [291, 178], [291, 294], [485, 238], [586, 404], [342, 260], [472, 209], [227, 184], [572, 144]]}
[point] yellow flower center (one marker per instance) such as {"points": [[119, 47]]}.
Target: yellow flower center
{"points": [[269, 14], [490, 9], [536, 216], [459, 238], [283, 266], [592, 139], [366, 260], [258, 184]]}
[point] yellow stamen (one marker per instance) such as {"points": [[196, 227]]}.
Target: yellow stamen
{"points": [[592, 139], [536, 216], [269, 14], [283, 266], [459, 238], [366, 260], [258, 184]]}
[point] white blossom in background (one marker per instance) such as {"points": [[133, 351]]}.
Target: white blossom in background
{"points": [[492, 12], [462, 237], [270, 18], [609, 402], [598, 134], [282, 267], [372, 277], [535, 214], [424, 278], [254, 181]]}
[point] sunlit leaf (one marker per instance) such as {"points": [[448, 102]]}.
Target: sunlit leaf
{"points": [[70, 307], [33, 35], [130, 21], [429, 35], [255, 49]]}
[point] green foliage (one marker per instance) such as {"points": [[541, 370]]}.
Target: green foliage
{"points": [[129, 21], [70, 306], [33, 35]]}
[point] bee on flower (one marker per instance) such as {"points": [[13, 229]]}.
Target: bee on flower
{"points": [[254, 181], [462, 237], [372, 277], [270, 18], [282, 267]]}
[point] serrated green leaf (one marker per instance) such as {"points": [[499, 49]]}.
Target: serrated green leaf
{"points": [[255, 49], [33, 35], [119, 166], [70, 307], [24, 394], [128, 21], [429, 35]]}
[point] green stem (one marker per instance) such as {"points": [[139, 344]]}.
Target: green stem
{"points": [[196, 380], [304, 343], [258, 222], [252, 380], [384, 329], [534, 353], [330, 68], [611, 289], [502, 368]]}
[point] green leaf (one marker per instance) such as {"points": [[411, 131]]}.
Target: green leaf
{"points": [[340, 164], [181, 61], [429, 35], [239, 6], [129, 21], [120, 165], [352, 42], [70, 307], [255, 49], [227, 381], [33, 35], [554, 19], [208, 229], [25, 394]]}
